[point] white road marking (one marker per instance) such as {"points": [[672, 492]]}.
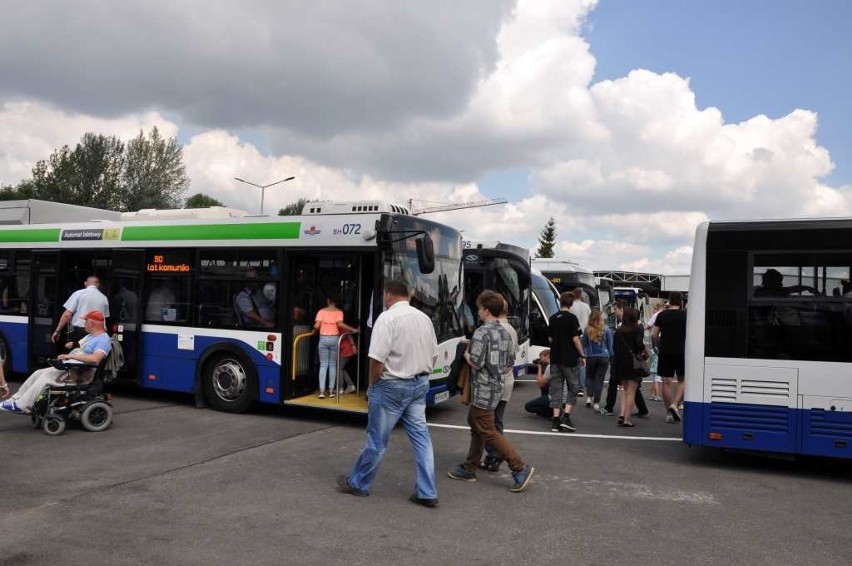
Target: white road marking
{"points": [[566, 434]]}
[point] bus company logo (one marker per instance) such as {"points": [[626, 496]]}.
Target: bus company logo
{"points": [[312, 231]]}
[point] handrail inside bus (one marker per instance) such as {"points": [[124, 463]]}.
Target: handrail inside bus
{"points": [[295, 345]]}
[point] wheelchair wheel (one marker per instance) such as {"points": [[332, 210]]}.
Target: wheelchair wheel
{"points": [[97, 416], [53, 425]]}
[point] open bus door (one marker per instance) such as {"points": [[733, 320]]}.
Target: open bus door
{"points": [[312, 278], [46, 307], [125, 306]]}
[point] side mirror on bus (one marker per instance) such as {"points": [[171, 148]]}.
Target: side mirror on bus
{"points": [[425, 254]]}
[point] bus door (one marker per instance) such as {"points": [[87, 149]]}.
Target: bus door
{"points": [[312, 280], [124, 292], [46, 306]]}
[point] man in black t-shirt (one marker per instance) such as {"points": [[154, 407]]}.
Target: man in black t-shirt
{"points": [[566, 353], [670, 336]]}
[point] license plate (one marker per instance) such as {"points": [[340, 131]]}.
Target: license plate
{"points": [[442, 396]]}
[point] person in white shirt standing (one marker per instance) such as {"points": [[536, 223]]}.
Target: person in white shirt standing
{"points": [[87, 299], [582, 311], [403, 351]]}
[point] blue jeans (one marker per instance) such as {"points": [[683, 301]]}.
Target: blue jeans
{"points": [[581, 376], [328, 361], [390, 401]]}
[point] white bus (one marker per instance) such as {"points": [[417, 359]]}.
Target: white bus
{"points": [[503, 268], [173, 286], [769, 337], [567, 276]]}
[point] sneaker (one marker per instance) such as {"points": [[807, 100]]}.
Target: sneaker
{"points": [[567, 424], [459, 473], [581, 393], [554, 426], [11, 406], [674, 414], [680, 406], [669, 419], [588, 402], [596, 408], [522, 479], [425, 502], [321, 395], [605, 412], [344, 487], [348, 390], [491, 464]]}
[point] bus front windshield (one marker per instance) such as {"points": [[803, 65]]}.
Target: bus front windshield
{"points": [[545, 296], [438, 294]]}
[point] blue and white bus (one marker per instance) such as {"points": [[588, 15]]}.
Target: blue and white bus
{"points": [[173, 286], [503, 268], [769, 337]]}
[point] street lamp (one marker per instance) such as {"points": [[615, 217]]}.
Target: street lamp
{"points": [[263, 187]]}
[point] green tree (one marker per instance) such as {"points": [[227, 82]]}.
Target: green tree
{"points": [[547, 239], [88, 175], [154, 173], [294, 208], [23, 191], [201, 201]]}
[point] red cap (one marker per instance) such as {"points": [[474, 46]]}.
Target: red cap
{"points": [[93, 315]]}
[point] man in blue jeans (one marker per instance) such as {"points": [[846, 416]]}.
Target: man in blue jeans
{"points": [[403, 350]]}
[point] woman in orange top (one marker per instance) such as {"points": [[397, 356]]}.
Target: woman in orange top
{"points": [[329, 322]]}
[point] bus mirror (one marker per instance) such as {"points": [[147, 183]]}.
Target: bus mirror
{"points": [[425, 254]]}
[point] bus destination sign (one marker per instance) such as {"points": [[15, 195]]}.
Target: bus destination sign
{"points": [[164, 264]]}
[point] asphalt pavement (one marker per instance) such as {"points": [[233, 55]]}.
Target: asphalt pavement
{"points": [[172, 484]]}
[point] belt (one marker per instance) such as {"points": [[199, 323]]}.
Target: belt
{"points": [[424, 374]]}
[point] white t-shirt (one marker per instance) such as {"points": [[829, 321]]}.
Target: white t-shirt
{"points": [[403, 339], [85, 300], [582, 311]]}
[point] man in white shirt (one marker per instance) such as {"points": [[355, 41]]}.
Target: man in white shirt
{"points": [[582, 311], [84, 300], [403, 350]]}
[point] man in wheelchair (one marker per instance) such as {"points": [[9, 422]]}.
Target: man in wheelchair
{"points": [[78, 367]]}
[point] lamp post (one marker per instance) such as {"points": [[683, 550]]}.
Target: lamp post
{"points": [[263, 187]]}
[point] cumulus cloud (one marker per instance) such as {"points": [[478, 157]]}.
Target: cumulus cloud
{"points": [[397, 100]]}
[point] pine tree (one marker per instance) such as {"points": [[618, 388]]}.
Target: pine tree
{"points": [[547, 239]]}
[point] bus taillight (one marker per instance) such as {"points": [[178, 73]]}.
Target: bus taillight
{"points": [[715, 436]]}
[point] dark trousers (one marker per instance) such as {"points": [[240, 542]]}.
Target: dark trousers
{"points": [[612, 393], [491, 453], [540, 406], [482, 434]]}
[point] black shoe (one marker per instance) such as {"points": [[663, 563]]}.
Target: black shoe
{"points": [[673, 412], [344, 487], [641, 415], [554, 427], [491, 464], [431, 503], [566, 423]]}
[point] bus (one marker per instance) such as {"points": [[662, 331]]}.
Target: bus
{"points": [[567, 276], [503, 268], [769, 337], [544, 303], [606, 296], [173, 285], [635, 298]]}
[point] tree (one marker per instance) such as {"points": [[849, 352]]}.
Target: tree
{"points": [[201, 201], [88, 175], [154, 175], [103, 172], [294, 208], [547, 239]]}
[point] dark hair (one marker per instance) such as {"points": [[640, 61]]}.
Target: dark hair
{"points": [[676, 299], [334, 297], [566, 299], [630, 318], [396, 288], [491, 301]]}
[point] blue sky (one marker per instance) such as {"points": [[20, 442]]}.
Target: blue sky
{"points": [[745, 57]]}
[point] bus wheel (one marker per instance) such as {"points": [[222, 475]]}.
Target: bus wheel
{"points": [[230, 383]]}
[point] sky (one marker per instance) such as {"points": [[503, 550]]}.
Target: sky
{"points": [[628, 122]]}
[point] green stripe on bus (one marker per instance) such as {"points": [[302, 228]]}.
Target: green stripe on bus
{"points": [[37, 235], [264, 231]]}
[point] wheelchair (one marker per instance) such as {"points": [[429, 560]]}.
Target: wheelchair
{"points": [[57, 405]]}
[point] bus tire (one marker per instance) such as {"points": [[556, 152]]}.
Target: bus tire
{"points": [[229, 382]]}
